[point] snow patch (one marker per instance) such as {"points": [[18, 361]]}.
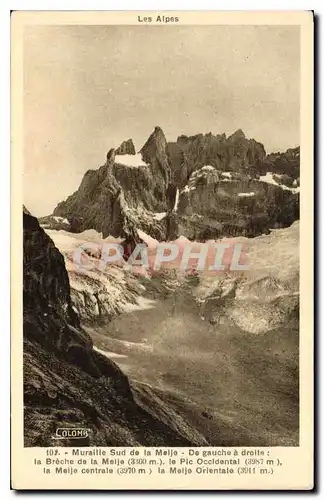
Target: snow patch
{"points": [[186, 189], [226, 175], [130, 160], [159, 215], [142, 304], [60, 219], [268, 178], [151, 242], [109, 354], [176, 203], [182, 239], [88, 235], [246, 195], [207, 167], [127, 344], [200, 173], [113, 239]]}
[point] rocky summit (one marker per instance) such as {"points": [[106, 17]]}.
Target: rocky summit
{"points": [[118, 197], [126, 148]]}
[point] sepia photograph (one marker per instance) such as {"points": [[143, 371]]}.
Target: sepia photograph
{"points": [[161, 186]]}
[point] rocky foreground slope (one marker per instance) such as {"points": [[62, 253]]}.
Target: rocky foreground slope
{"points": [[203, 186], [69, 384]]}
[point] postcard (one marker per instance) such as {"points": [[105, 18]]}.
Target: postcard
{"points": [[162, 250]]}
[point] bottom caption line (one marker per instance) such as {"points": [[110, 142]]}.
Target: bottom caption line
{"points": [[145, 461]]}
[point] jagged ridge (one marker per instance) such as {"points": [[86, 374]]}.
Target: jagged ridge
{"points": [[116, 198]]}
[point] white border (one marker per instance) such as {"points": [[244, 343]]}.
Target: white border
{"points": [[317, 5]]}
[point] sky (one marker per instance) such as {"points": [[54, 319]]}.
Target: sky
{"points": [[88, 88]]}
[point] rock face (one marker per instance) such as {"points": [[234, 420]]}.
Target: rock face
{"points": [[221, 192], [115, 198], [126, 148], [235, 153], [287, 163], [69, 384], [110, 159], [199, 186], [212, 205], [154, 152]]}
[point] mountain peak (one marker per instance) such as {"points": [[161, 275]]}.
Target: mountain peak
{"points": [[154, 152], [155, 145], [111, 156], [158, 130], [126, 148], [238, 134]]}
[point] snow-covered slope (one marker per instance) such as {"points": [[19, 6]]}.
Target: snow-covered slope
{"points": [[264, 297]]}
